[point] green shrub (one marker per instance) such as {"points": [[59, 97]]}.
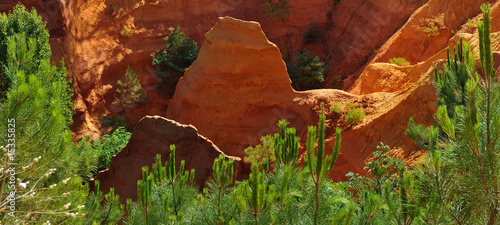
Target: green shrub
{"points": [[400, 61], [313, 34], [307, 73], [109, 145], [431, 29], [350, 105], [103, 209], [354, 116], [382, 167], [256, 155], [130, 92], [336, 108], [274, 11], [173, 60]]}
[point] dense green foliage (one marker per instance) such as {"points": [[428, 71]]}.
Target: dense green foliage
{"points": [[173, 60], [109, 145], [336, 108], [36, 38], [461, 169], [274, 11], [32, 25], [354, 116], [103, 209], [260, 152], [307, 72], [40, 175]]}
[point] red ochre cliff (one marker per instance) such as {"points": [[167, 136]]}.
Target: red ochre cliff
{"points": [[238, 87]]}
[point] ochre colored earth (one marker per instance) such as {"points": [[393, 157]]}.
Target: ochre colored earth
{"points": [[238, 87]]}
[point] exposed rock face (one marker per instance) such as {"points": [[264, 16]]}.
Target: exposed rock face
{"points": [[238, 87], [414, 41], [97, 55], [235, 104], [355, 31], [358, 27], [153, 135]]}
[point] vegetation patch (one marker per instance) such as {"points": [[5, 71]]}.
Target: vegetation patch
{"points": [[336, 108], [179, 54], [129, 92], [126, 33], [432, 29], [354, 116], [313, 34], [307, 72], [274, 11], [400, 61]]}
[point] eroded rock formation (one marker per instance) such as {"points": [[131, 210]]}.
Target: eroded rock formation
{"points": [[153, 135], [236, 103], [360, 37], [97, 55]]}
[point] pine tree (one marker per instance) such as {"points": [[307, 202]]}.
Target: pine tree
{"points": [[254, 196], [20, 21], [307, 73], [318, 165], [461, 170], [173, 60], [38, 166], [103, 209], [163, 194], [130, 92], [216, 204]]}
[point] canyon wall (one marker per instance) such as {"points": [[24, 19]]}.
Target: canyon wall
{"points": [[238, 88]]}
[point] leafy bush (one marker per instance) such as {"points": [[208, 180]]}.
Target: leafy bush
{"points": [[274, 11], [354, 116], [400, 61], [336, 108], [307, 73], [382, 167], [109, 145], [130, 90], [173, 60], [313, 34]]}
